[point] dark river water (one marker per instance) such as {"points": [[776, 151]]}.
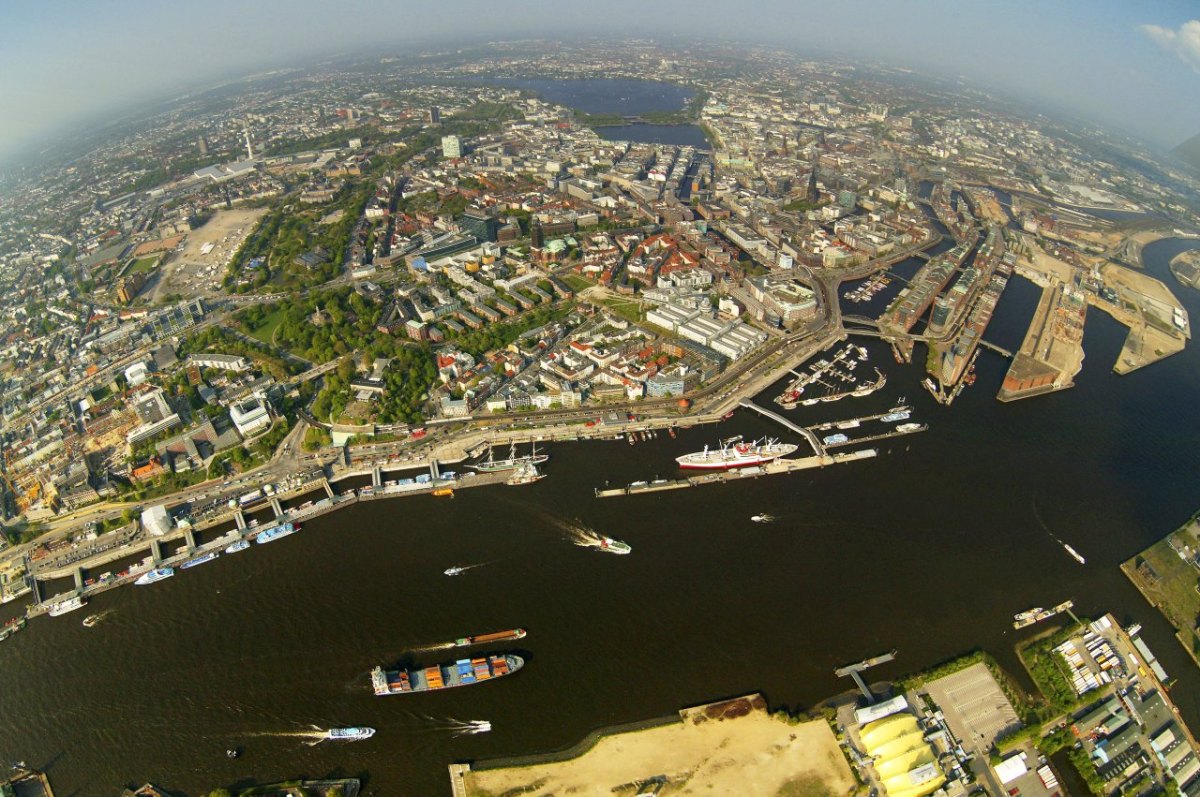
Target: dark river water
{"points": [[929, 548]]}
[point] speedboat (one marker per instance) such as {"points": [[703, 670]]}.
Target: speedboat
{"points": [[455, 571], [763, 518], [349, 734]]}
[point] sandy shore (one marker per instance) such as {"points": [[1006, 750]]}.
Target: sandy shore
{"points": [[734, 747]]}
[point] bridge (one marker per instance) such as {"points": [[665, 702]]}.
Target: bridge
{"points": [[993, 347], [861, 320], [807, 434]]}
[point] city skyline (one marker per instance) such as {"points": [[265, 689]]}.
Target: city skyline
{"points": [[1129, 69]]}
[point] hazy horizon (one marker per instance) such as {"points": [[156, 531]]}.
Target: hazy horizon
{"points": [[1130, 69]]}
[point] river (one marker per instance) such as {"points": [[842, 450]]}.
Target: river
{"points": [[930, 549]]}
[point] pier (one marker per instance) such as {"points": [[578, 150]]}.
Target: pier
{"points": [[860, 419], [807, 434], [874, 437], [720, 477]]}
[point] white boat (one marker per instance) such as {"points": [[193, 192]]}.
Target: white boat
{"points": [[910, 427], [157, 574], [736, 454], [68, 605], [763, 518], [609, 545], [199, 560], [240, 545], [1075, 554], [454, 571], [349, 734]]}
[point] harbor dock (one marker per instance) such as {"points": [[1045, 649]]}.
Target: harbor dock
{"points": [[768, 469]]}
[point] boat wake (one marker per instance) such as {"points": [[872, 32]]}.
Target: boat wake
{"points": [[454, 726], [458, 570], [311, 737], [93, 619], [1073, 553]]}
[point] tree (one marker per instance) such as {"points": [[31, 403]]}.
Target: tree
{"points": [[220, 793]]}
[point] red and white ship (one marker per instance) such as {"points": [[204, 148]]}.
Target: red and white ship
{"points": [[734, 453]]}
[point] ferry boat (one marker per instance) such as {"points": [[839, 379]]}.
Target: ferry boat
{"points": [[11, 627], [275, 532], [511, 462], [445, 676], [199, 560], [1031, 616], [157, 574], [495, 636], [736, 454], [349, 734], [609, 545], [240, 545], [68, 605], [910, 427]]}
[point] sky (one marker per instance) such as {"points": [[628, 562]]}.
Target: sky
{"points": [[1131, 66]]}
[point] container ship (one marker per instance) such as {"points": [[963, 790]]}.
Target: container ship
{"points": [[736, 454], [483, 639], [445, 676]]}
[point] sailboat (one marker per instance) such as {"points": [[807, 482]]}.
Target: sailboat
{"points": [[511, 462]]}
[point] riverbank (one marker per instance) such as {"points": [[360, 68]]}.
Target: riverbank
{"points": [[730, 747], [1165, 574]]}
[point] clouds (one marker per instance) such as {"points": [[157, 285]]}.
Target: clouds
{"points": [[1184, 43]]}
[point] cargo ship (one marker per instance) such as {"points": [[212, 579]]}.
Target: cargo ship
{"points": [[511, 462], [276, 532], [349, 734], [199, 560], [736, 454], [445, 676], [483, 639], [69, 605], [157, 574]]}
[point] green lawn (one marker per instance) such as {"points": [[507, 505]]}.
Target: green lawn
{"points": [[577, 282], [626, 308], [146, 263], [270, 324]]}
